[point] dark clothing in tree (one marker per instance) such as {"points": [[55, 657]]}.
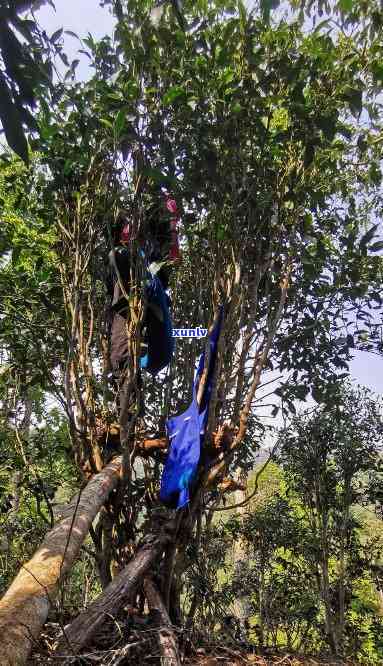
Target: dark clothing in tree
{"points": [[119, 342], [155, 248], [158, 325], [122, 257]]}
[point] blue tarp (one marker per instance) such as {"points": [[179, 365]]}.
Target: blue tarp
{"points": [[185, 433]]}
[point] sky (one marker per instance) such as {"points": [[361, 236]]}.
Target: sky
{"points": [[84, 16], [81, 17]]}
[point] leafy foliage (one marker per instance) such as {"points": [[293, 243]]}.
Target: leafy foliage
{"points": [[308, 539], [254, 124], [25, 70]]}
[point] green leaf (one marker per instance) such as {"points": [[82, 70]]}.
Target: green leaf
{"points": [[236, 108], [85, 53], [174, 93], [317, 394], [119, 122], [292, 408], [39, 263], [16, 255], [328, 126], [350, 340], [376, 247], [106, 122], [11, 121], [64, 58], [242, 13], [377, 70], [368, 236], [375, 173], [68, 165], [354, 96], [159, 177], [19, 66], [56, 35], [177, 8], [346, 5]]}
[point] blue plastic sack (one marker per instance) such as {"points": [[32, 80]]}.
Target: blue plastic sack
{"points": [[185, 433]]}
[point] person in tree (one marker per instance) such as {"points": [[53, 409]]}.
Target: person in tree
{"points": [[159, 248]]}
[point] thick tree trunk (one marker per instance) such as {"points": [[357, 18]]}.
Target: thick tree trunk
{"points": [[105, 552], [166, 638], [326, 594], [240, 556], [81, 631], [24, 607]]}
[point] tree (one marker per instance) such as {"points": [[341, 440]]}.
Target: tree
{"points": [[277, 576], [327, 456], [254, 127]]}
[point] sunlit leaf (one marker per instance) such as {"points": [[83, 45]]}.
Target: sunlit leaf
{"points": [[173, 94]]}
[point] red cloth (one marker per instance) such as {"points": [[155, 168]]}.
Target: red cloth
{"points": [[171, 205], [126, 234]]}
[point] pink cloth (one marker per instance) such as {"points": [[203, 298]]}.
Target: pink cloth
{"points": [[126, 234], [171, 205], [174, 252]]}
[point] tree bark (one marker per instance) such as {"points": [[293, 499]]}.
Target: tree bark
{"points": [[342, 561], [81, 631], [166, 638], [105, 551], [240, 556], [24, 607], [329, 620]]}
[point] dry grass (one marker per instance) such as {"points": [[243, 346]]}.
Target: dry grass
{"points": [[122, 642], [229, 657]]}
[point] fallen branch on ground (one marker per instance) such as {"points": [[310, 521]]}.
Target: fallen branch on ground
{"points": [[166, 638], [24, 607], [80, 632]]}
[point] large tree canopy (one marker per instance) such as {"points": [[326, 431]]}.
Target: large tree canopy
{"points": [[267, 131]]}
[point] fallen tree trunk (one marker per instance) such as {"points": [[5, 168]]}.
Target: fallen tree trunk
{"points": [[24, 607], [166, 638], [81, 631]]}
